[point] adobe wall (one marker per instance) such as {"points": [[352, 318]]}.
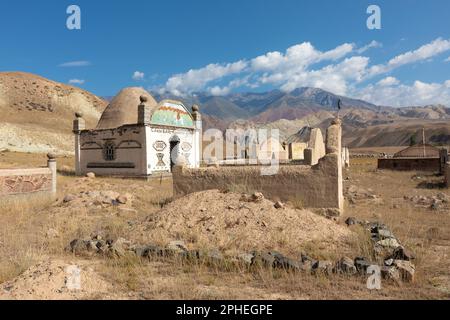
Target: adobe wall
{"points": [[27, 181], [130, 157], [410, 164], [318, 186]]}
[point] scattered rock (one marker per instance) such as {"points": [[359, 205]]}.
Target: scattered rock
{"points": [[118, 248], [257, 197], [178, 246], [245, 258], [69, 198], [283, 262], [279, 205], [401, 253], [214, 256], [388, 262], [122, 199], [362, 264], [346, 265], [390, 273], [78, 246], [406, 270], [390, 243], [350, 221], [264, 259], [325, 267], [90, 175]]}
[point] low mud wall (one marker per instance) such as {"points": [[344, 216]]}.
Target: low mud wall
{"points": [[313, 186], [27, 181], [410, 164], [318, 186]]}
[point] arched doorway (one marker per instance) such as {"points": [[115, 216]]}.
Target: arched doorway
{"points": [[174, 150]]}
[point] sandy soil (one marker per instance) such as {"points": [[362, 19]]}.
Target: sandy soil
{"points": [[214, 219]]}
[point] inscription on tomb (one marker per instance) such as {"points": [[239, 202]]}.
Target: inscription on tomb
{"points": [[25, 184]]}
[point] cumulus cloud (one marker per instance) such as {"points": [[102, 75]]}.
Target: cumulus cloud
{"points": [[76, 81], [343, 70], [400, 95], [71, 64], [388, 81], [447, 60], [425, 52], [372, 44], [197, 79], [138, 76]]}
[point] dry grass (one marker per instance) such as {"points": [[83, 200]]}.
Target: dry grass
{"points": [[26, 237], [19, 241]]}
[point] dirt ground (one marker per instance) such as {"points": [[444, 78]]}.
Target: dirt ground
{"points": [[34, 233]]}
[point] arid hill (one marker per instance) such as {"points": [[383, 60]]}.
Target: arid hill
{"points": [[37, 113]]}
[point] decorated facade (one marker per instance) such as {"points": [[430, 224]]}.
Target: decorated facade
{"points": [[140, 140]]}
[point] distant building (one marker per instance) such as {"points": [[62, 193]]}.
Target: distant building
{"points": [[418, 151], [139, 139], [420, 157]]}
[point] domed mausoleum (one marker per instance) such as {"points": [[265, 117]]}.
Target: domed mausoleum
{"points": [[136, 136]]}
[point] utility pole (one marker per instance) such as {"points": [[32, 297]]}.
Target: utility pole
{"points": [[423, 142]]}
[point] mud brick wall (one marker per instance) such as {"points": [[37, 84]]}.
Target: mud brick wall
{"points": [[410, 164], [318, 186], [315, 186]]}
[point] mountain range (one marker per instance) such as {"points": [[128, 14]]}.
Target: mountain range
{"points": [[37, 114]]}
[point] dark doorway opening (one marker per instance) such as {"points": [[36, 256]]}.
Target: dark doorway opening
{"points": [[174, 147]]}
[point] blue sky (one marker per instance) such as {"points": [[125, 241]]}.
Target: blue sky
{"points": [[246, 45]]}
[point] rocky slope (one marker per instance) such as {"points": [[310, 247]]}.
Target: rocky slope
{"points": [[37, 113]]}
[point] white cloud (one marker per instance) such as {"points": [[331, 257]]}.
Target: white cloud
{"points": [[138, 76], [388, 81], [419, 93], [197, 79], [372, 44], [425, 52], [333, 78], [340, 70], [447, 60], [81, 63], [76, 81]]}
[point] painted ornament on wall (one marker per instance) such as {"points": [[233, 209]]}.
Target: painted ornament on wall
{"points": [[173, 114], [186, 146], [161, 162], [159, 146]]}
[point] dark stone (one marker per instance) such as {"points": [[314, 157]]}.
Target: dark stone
{"points": [[346, 265], [283, 262], [362, 264], [245, 258], [350, 221], [78, 246], [69, 198], [305, 258], [279, 205], [214, 256], [385, 234], [401, 253], [263, 259], [325, 267], [406, 270], [191, 255], [390, 273]]}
